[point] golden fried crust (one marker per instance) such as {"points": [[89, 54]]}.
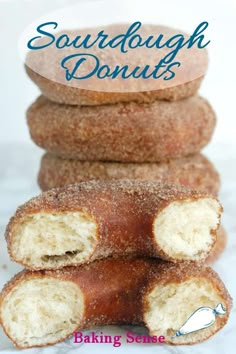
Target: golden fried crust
{"points": [[110, 296], [124, 212], [219, 246], [115, 290], [194, 171], [128, 132], [71, 95]]}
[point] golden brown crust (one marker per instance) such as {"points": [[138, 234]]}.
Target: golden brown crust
{"points": [[128, 132], [109, 298], [194, 171], [123, 210], [115, 290], [71, 95], [219, 247]]}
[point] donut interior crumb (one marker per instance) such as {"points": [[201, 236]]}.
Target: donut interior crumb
{"points": [[169, 307], [183, 229], [46, 240], [40, 311]]}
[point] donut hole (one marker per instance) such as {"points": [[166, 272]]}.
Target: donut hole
{"points": [[169, 306], [185, 230], [39, 311], [46, 240]]}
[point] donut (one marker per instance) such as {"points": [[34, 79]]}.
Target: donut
{"points": [[95, 219], [128, 132], [59, 93], [219, 246], [45, 69], [45, 307], [194, 171]]}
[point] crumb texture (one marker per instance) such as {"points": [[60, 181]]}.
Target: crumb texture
{"points": [[171, 305], [41, 311], [183, 229], [45, 307], [95, 219], [52, 240]]}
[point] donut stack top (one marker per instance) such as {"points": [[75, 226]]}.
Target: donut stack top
{"points": [[148, 126]]}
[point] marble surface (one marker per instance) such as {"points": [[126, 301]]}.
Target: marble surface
{"points": [[18, 171]]}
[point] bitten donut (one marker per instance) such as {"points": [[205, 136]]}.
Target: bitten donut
{"points": [[45, 307], [219, 246], [194, 171], [47, 72], [80, 223], [128, 132]]}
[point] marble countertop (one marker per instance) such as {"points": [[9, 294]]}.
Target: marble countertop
{"points": [[18, 171]]}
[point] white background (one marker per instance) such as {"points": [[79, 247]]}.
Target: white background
{"points": [[17, 91]]}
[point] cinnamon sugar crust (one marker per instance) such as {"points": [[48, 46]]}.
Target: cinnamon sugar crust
{"points": [[110, 291], [59, 93], [194, 171], [128, 132], [80, 223]]}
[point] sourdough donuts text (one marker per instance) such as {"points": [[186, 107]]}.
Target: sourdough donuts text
{"points": [[74, 64]]}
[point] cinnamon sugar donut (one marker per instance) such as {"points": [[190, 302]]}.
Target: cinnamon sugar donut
{"points": [[126, 132], [45, 69], [194, 171], [74, 96], [82, 222], [111, 291]]}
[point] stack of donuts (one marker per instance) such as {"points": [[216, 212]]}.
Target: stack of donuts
{"points": [[97, 135], [152, 135], [127, 220], [155, 134], [113, 252]]}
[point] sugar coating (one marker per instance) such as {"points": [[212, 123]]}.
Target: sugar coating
{"points": [[126, 132], [195, 171], [123, 215], [107, 295]]}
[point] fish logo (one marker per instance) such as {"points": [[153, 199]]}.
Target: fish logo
{"points": [[200, 319]]}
